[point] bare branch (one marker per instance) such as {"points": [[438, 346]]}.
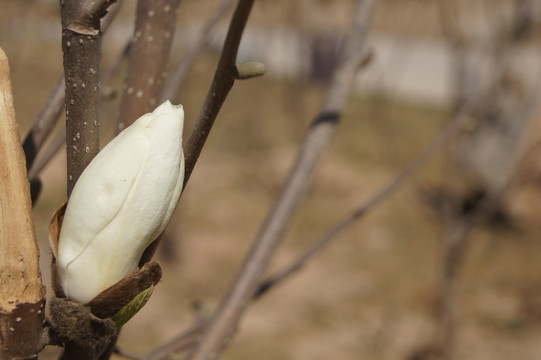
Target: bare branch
{"points": [[226, 318], [52, 110], [190, 336], [222, 83], [48, 154], [177, 78], [81, 44], [122, 353], [60, 139], [22, 295], [45, 122], [362, 210], [153, 36], [183, 341]]}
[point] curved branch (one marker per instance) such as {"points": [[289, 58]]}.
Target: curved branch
{"points": [[233, 305], [151, 45], [222, 83], [55, 144], [420, 160], [53, 108], [177, 78]]}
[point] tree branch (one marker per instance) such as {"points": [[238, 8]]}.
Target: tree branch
{"points": [[59, 140], [222, 83], [190, 336], [181, 342], [420, 160], [81, 45], [22, 295], [235, 302], [52, 110], [177, 78], [45, 122], [152, 39]]}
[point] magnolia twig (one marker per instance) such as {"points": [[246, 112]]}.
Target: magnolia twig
{"points": [[458, 234], [226, 318], [177, 78], [183, 341], [122, 353], [81, 45], [47, 155], [152, 39], [418, 162], [52, 110], [223, 81], [60, 138], [189, 337], [45, 122]]}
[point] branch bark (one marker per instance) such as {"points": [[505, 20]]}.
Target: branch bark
{"points": [[22, 296], [190, 336], [152, 39], [223, 81], [226, 318], [363, 209], [52, 110], [177, 78], [81, 45], [45, 122], [55, 144]]}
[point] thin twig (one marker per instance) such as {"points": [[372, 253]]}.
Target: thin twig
{"points": [[122, 353], [181, 342], [45, 122], [458, 234], [177, 78], [48, 154], [358, 213], [108, 75], [233, 305], [188, 337], [459, 225], [60, 138], [81, 45], [222, 83], [152, 40], [53, 108]]}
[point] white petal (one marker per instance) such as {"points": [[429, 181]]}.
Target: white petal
{"points": [[121, 203]]}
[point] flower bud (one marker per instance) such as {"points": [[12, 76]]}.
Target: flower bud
{"points": [[121, 203]]}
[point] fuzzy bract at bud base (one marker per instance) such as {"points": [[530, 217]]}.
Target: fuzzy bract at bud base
{"points": [[121, 203]]}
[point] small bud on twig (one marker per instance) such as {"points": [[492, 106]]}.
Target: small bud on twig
{"points": [[250, 69]]}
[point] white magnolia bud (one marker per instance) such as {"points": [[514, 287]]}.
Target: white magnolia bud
{"points": [[122, 201]]}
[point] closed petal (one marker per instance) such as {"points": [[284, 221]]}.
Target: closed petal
{"points": [[121, 203]]}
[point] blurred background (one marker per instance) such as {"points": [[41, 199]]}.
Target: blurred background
{"points": [[400, 283]]}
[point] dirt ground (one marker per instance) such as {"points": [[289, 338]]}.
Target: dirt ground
{"points": [[371, 294]]}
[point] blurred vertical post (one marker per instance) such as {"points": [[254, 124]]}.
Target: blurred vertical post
{"points": [[22, 296]]}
